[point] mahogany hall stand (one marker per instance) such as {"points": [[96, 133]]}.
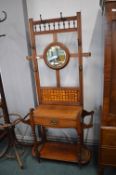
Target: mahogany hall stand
{"points": [[58, 107]]}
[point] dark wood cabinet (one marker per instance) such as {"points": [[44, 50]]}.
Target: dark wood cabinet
{"points": [[107, 150]]}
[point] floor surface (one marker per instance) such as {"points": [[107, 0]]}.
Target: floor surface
{"points": [[47, 167]]}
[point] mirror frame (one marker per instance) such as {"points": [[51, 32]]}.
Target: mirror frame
{"points": [[63, 47]]}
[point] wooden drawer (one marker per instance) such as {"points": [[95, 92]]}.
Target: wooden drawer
{"points": [[57, 116], [55, 122], [108, 156], [108, 136]]}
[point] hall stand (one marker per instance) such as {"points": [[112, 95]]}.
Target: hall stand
{"points": [[8, 127], [58, 107]]}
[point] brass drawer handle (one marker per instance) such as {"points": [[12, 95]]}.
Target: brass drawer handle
{"points": [[53, 122]]}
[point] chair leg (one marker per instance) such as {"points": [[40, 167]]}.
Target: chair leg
{"points": [[18, 157]]}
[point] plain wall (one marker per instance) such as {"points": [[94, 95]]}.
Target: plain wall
{"points": [[14, 67]]}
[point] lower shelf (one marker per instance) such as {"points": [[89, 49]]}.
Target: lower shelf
{"points": [[63, 152]]}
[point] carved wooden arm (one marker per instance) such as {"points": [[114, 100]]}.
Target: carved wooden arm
{"points": [[85, 114]]}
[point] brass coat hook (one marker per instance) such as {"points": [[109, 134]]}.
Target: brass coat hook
{"points": [[61, 15], [40, 17]]}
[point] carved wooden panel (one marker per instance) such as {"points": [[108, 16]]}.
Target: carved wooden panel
{"points": [[60, 95]]}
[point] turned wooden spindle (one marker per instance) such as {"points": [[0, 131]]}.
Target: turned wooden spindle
{"points": [[54, 26], [49, 26], [40, 27]]}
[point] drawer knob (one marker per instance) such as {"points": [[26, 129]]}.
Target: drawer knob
{"points": [[53, 122]]}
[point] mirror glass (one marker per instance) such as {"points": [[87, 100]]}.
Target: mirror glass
{"points": [[56, 56]]}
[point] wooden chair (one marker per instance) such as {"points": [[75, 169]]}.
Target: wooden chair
{"points": [[7, 131], [59, 106]]}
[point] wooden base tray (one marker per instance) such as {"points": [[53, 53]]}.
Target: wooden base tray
{"points": [[63, 152]]}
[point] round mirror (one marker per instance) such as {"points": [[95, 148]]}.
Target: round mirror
{"points": [[56, 55]]}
